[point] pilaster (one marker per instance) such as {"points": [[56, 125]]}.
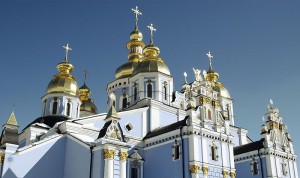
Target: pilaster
{"points": [[205, 171], [123, 160], [194, 169], [109, 162]]}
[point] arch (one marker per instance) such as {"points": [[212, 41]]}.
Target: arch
{"points": [[124, 102], [54, 106], [135, 93], [165, 93], [68, 109], [149, 90]]}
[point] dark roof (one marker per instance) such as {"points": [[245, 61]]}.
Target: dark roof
{"points": [[48, 120], [249, 147], [167, 128]]}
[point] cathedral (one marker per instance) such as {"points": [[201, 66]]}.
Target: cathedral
{"points": [[150, 129]]}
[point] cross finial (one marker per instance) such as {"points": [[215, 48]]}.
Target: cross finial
{"points": [[13, 106], [185, 76], [67, 51], [85, 74], [209, 58], [152, 29], [137, 13]]}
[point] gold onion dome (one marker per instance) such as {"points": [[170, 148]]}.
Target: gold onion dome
{"points": [[87, 104], [151, 62], [135, 45], [64, 82], [213, 76]]}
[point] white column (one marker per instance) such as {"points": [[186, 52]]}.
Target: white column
{"points": [[109, 163], [123, 158]]}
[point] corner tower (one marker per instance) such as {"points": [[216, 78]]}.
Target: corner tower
{"points": [[62, 94], [119, 89]]}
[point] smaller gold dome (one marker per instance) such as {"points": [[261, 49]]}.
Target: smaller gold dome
{"points": [[223, 92], [87, 104], [63, 82], [151, 62], [136, 35], [125, 70]]}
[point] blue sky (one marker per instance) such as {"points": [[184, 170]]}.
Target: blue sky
{"points": [[255, 44]]}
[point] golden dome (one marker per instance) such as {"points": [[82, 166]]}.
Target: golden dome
{"points": [[223, 92], [135, 45], [63, 82], [136, 35], [151, 62], [87, 104]]}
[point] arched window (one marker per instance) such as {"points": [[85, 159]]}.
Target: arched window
{"points": [[114, 103], [176, 150], [165, 92], [44, 107], [149, 90], [134, 172], [68, 109], [135, 93], [214, 153], [254, 166], [124, 104], [54, 106]]}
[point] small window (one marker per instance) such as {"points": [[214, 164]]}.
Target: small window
{"points": [[68, 109], [124, 103], [209, 114], [176, 150], [128, 127], [114, 103], [165, 92], [254, 167], [214, 152], [149, 90], [134, 173], [135, 94], [54, 106]]}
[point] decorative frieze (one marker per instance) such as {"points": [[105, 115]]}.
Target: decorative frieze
{"points": [[109, 154], [194, 169], [123, 156], [205, 170]]}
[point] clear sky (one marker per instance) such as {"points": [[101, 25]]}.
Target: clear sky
{"points": [[255, 44]]}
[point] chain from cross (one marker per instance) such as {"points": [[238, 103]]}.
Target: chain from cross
{"points": [[209, 58], [152, 29], [67, 51], [85, 74]]}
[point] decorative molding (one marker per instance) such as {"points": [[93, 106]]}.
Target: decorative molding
{"points": [[225, 173], [109, 154], [123, 156], [194, 169], [205, 170]]}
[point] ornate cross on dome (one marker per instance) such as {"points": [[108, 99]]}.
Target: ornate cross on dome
{"points": [[137, 13], [67, 51], [151, 28], [85, 74], [209, 58]]}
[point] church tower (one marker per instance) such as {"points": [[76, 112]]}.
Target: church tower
{"points": [[62, 95], [151, 78], [119, 89], [10, 131]]}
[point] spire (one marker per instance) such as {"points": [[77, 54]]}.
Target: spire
{"points": [[211, 75], [152, 29], [137, 12], [67, 51], [210, 59], [65, 67], [112, 114], [12, 121]]}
